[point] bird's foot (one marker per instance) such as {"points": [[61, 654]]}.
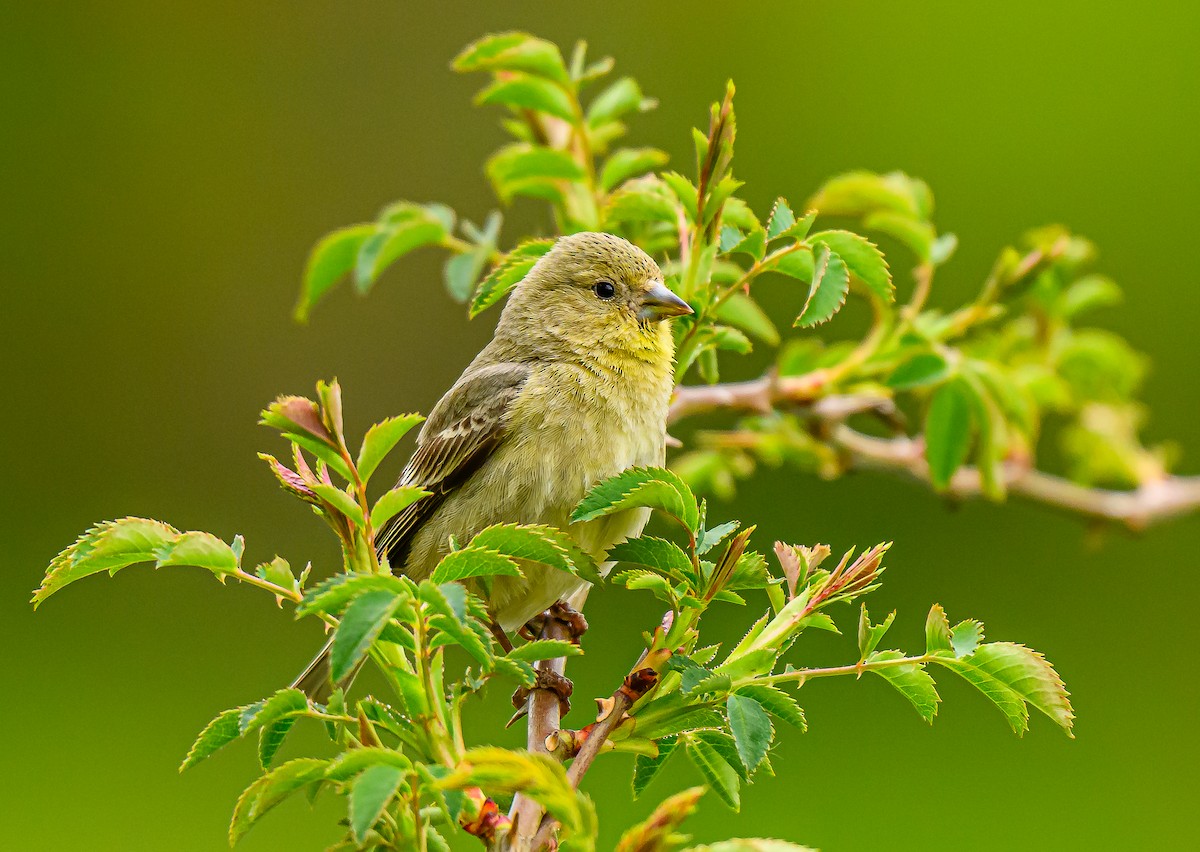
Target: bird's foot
{"points": [[548, 680], [574, 622]]}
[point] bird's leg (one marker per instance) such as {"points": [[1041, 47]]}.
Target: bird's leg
{"points": [[566, 623], [572, 619]]}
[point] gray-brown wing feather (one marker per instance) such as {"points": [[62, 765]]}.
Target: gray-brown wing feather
{"points": [[462, 431]]}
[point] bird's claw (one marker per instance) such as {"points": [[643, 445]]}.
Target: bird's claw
{"points": [[548, 680], [572, 619]]}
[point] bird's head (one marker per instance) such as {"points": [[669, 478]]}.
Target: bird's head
{"points": [[597, 291]]}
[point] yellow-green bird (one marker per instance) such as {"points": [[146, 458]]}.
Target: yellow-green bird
{"points": [[573, 388]]}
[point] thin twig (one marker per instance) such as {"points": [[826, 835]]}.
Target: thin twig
{"points": [[1136, 509]]}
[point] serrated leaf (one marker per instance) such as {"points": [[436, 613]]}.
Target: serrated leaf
{"points": [[474, 562], [937, 631], [544, 649], [381, 439], [359, 628], [780, 220], [948, 428], [370, 794], [526, 91], [827, 293], [656, 488], [331, 595], [910, 680], [1011, 675], [966, 637], [861, 192], [625, 163], [221, 731], [546, 545], [113, 545], [663, 556], [721, 778], [776, 702], [917, 235], [870, 635], [751, 728], [394, 502], [921, 370], [507, 274], [862, 258], [331, 259], [715, 536], [271, 789], [513, 51]]}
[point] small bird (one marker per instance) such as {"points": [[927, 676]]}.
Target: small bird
{"points": [[572, 389]]}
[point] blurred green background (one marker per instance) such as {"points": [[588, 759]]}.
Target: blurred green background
{"points": [[165, 169]]}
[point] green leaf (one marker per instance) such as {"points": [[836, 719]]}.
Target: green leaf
{"points": [[921, 370], [462, 271], [966, 637], [656, 488], [513, 51], [911, 680], [647, 768], [827, 293], [273, 719], [524, 169], [339, 500], [751, 844], [113, 545], [751, 729], [218, 733], [621, 96], [918, 236], [741, 311], [860, 192], [780, 220], [525, 91], [776, 702], [545, 649], [390, 243], [271, 789], [717, 773], [862, 258], [393, 502], [641, 200], [685, 191], [870, 635], [359, 628], [333, 594], [474, 562], [1087, 294], [658, 554], [937, 631], [715, 536], [1011, 675], [507, 274], [538, 543], [331, 259], [948, 427], [381, 439], [625, 163], [370, 794]]}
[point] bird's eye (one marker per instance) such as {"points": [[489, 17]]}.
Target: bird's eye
{"points": [[604, 290]]}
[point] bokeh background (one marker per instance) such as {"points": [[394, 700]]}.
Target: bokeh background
{"points": [[165, 168]]}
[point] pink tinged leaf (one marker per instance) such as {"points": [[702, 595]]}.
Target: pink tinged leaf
{"points": [[305, 414], [790, 563]]}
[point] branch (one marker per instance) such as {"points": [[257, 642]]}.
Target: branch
{"points": [[1136, 509]]}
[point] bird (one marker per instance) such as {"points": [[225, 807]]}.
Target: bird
{"points": [[573, 388]]}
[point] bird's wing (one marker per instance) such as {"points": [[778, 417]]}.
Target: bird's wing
{"points": [[463, 429]]}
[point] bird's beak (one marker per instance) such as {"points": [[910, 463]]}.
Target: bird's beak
{"points": [[659, 303]]}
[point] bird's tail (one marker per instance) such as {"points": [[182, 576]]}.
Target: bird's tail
{"points": [[315, 681]]}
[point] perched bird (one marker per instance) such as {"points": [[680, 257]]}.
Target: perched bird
{"points": [[573, 388]]}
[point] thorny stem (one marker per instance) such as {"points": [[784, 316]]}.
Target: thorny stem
{"points": [[799, 676]]}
